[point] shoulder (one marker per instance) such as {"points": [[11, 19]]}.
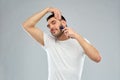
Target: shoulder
{"points": [[48, 39]]}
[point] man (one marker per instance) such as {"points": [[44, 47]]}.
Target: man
{"points": [[65, 48]]}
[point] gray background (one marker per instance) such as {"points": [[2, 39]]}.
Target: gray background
{"points": [[22, 58]]}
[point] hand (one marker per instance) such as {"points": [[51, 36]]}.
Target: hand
{"points": [[56, 12], [69, 32]]}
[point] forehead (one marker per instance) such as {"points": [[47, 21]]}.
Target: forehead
{"points": [[52, 19]]}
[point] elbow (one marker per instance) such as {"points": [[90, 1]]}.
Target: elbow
{"points": [[28, 25], [24, 25], [97, 59]]}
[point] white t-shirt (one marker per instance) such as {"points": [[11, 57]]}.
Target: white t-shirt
{"points": [[65, 58]]}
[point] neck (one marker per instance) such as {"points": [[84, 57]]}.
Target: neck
{"points": [[62, 37]]}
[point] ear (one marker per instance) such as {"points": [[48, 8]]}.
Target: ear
{"points": [[64, 23]]}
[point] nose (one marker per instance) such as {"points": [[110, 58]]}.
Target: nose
{"points": [[51, 27]]}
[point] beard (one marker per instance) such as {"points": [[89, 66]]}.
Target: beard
{"points": [[58, 34]]}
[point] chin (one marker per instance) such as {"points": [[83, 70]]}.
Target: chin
{"points": [[57, 34]]}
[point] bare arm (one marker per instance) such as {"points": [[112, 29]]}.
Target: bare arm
{"points": [[30, 24]]}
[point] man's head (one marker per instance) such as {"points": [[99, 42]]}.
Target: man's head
{"points": [[54, 25]]}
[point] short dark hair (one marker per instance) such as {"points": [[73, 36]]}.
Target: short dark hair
{"points": [[52, 15]]}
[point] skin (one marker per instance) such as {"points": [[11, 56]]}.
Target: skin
{"points": [[53, 24]]}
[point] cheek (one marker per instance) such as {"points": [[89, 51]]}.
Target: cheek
{"points": [[57, 26]]}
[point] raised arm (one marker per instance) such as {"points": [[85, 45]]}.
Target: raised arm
{"points": [[30, 24]]}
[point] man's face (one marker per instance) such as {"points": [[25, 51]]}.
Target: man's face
{"points": [[54, 26]]}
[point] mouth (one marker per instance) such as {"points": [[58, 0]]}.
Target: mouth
{"points": [[53, 31]]}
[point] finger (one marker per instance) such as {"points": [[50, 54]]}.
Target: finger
{"points": [[66, 31], [57, 14], [53, 10], [65, 28], [67, 35]]}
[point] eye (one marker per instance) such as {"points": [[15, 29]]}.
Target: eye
{"points": [[53, 22]]}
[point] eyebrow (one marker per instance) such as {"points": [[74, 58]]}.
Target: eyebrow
{"points": [[50, 22]]}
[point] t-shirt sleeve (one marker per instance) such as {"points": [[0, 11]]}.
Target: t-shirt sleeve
{"points": [[47, 40], [87, 40]]}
